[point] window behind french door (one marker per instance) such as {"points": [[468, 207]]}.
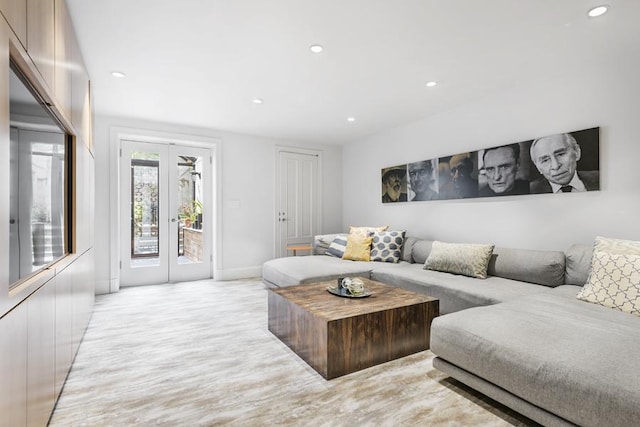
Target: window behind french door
{"points": [[166, 213]]}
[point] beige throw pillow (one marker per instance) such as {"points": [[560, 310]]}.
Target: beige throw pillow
{"points": [[614, 282], [358, 248], [460, 258], [616, 246], [365, 231]]}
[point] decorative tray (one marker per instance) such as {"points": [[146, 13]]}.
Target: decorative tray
{"points": [[344, 293]]}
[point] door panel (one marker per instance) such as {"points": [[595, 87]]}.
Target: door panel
{"points": [[298, 200], [191, 219], [143, 214]]}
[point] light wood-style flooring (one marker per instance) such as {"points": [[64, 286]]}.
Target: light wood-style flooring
{"points": [[200, 354]]}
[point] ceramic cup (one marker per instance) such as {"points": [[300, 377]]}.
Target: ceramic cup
{"points": [[353, 286]]}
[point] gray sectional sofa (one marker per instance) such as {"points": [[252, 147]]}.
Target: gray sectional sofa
{"points": [[520, 336]]}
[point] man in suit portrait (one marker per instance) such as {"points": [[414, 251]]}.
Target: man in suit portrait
{"points": [[556, 158]]}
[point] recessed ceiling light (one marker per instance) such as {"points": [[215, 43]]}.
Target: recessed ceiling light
{"points": [[258, 101], [118, 74], [431, 84], [598, 11], [316, 48], [351, 119]]}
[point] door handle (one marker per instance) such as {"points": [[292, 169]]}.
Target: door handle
{"points": [[173, 220]]}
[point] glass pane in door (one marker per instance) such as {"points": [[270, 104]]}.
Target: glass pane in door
{"points": [[145, 236], [189, 202]]}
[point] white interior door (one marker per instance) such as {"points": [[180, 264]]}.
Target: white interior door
{"points": [[165, 213], [298, 200]]}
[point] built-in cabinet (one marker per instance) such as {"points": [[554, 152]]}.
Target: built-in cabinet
{"points": [[13, 365], [15, 13], [41, 356], [43, 322], [41, 37]]}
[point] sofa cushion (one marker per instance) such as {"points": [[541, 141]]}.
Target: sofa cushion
{"points": [[421, 250], [569, 357], [358, 248], [454, 291], [468, 259], [407, 248], [614, 282], [337, 246], [541, 267], [578, 264], [290, 271], [386, 246]]}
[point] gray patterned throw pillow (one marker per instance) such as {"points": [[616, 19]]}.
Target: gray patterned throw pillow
{"points": [[338, 246], [387, 246]]}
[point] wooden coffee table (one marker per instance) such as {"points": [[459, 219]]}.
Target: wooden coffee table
{"points": [[337, 336]]}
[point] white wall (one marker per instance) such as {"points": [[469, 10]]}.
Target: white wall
{"points": [[248, 176], [602, 93]]}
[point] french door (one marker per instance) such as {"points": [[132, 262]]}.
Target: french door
{"points": [[166, 213]]}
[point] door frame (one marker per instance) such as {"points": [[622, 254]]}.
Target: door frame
{"points": [[276, 194], [116, 135]]}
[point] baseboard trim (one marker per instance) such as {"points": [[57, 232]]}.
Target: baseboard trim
{"points": [[238, 273], [104, 287]]}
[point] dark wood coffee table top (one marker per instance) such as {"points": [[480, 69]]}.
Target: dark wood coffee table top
{"points": [[337, 335], [317, 300]]}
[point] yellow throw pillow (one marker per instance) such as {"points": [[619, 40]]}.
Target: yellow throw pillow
{"points": [[365, 231], [358, 248]]}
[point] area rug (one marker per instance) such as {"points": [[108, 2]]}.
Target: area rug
{"points": [[200, 354]]}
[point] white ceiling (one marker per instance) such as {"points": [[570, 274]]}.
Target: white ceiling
{"points": [[202, 62]]}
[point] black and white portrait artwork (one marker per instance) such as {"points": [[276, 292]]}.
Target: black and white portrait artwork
{"points": [[504, 170], [566, 162], [423, 180], [458, 175], [559, 163], [394, 184]]}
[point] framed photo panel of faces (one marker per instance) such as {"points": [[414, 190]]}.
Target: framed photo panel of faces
{"points": [[560, 163]]}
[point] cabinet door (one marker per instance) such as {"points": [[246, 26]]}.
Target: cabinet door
{"points": [[64, 324], [83, 296], [41, 354], [63, 33], [15, 12], [79, 94], [41, 36], [13, 368]]}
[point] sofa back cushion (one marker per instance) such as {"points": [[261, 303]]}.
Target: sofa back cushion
{"points": [[578, 259], [421, 250], [407, 247], [540, 267]]}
